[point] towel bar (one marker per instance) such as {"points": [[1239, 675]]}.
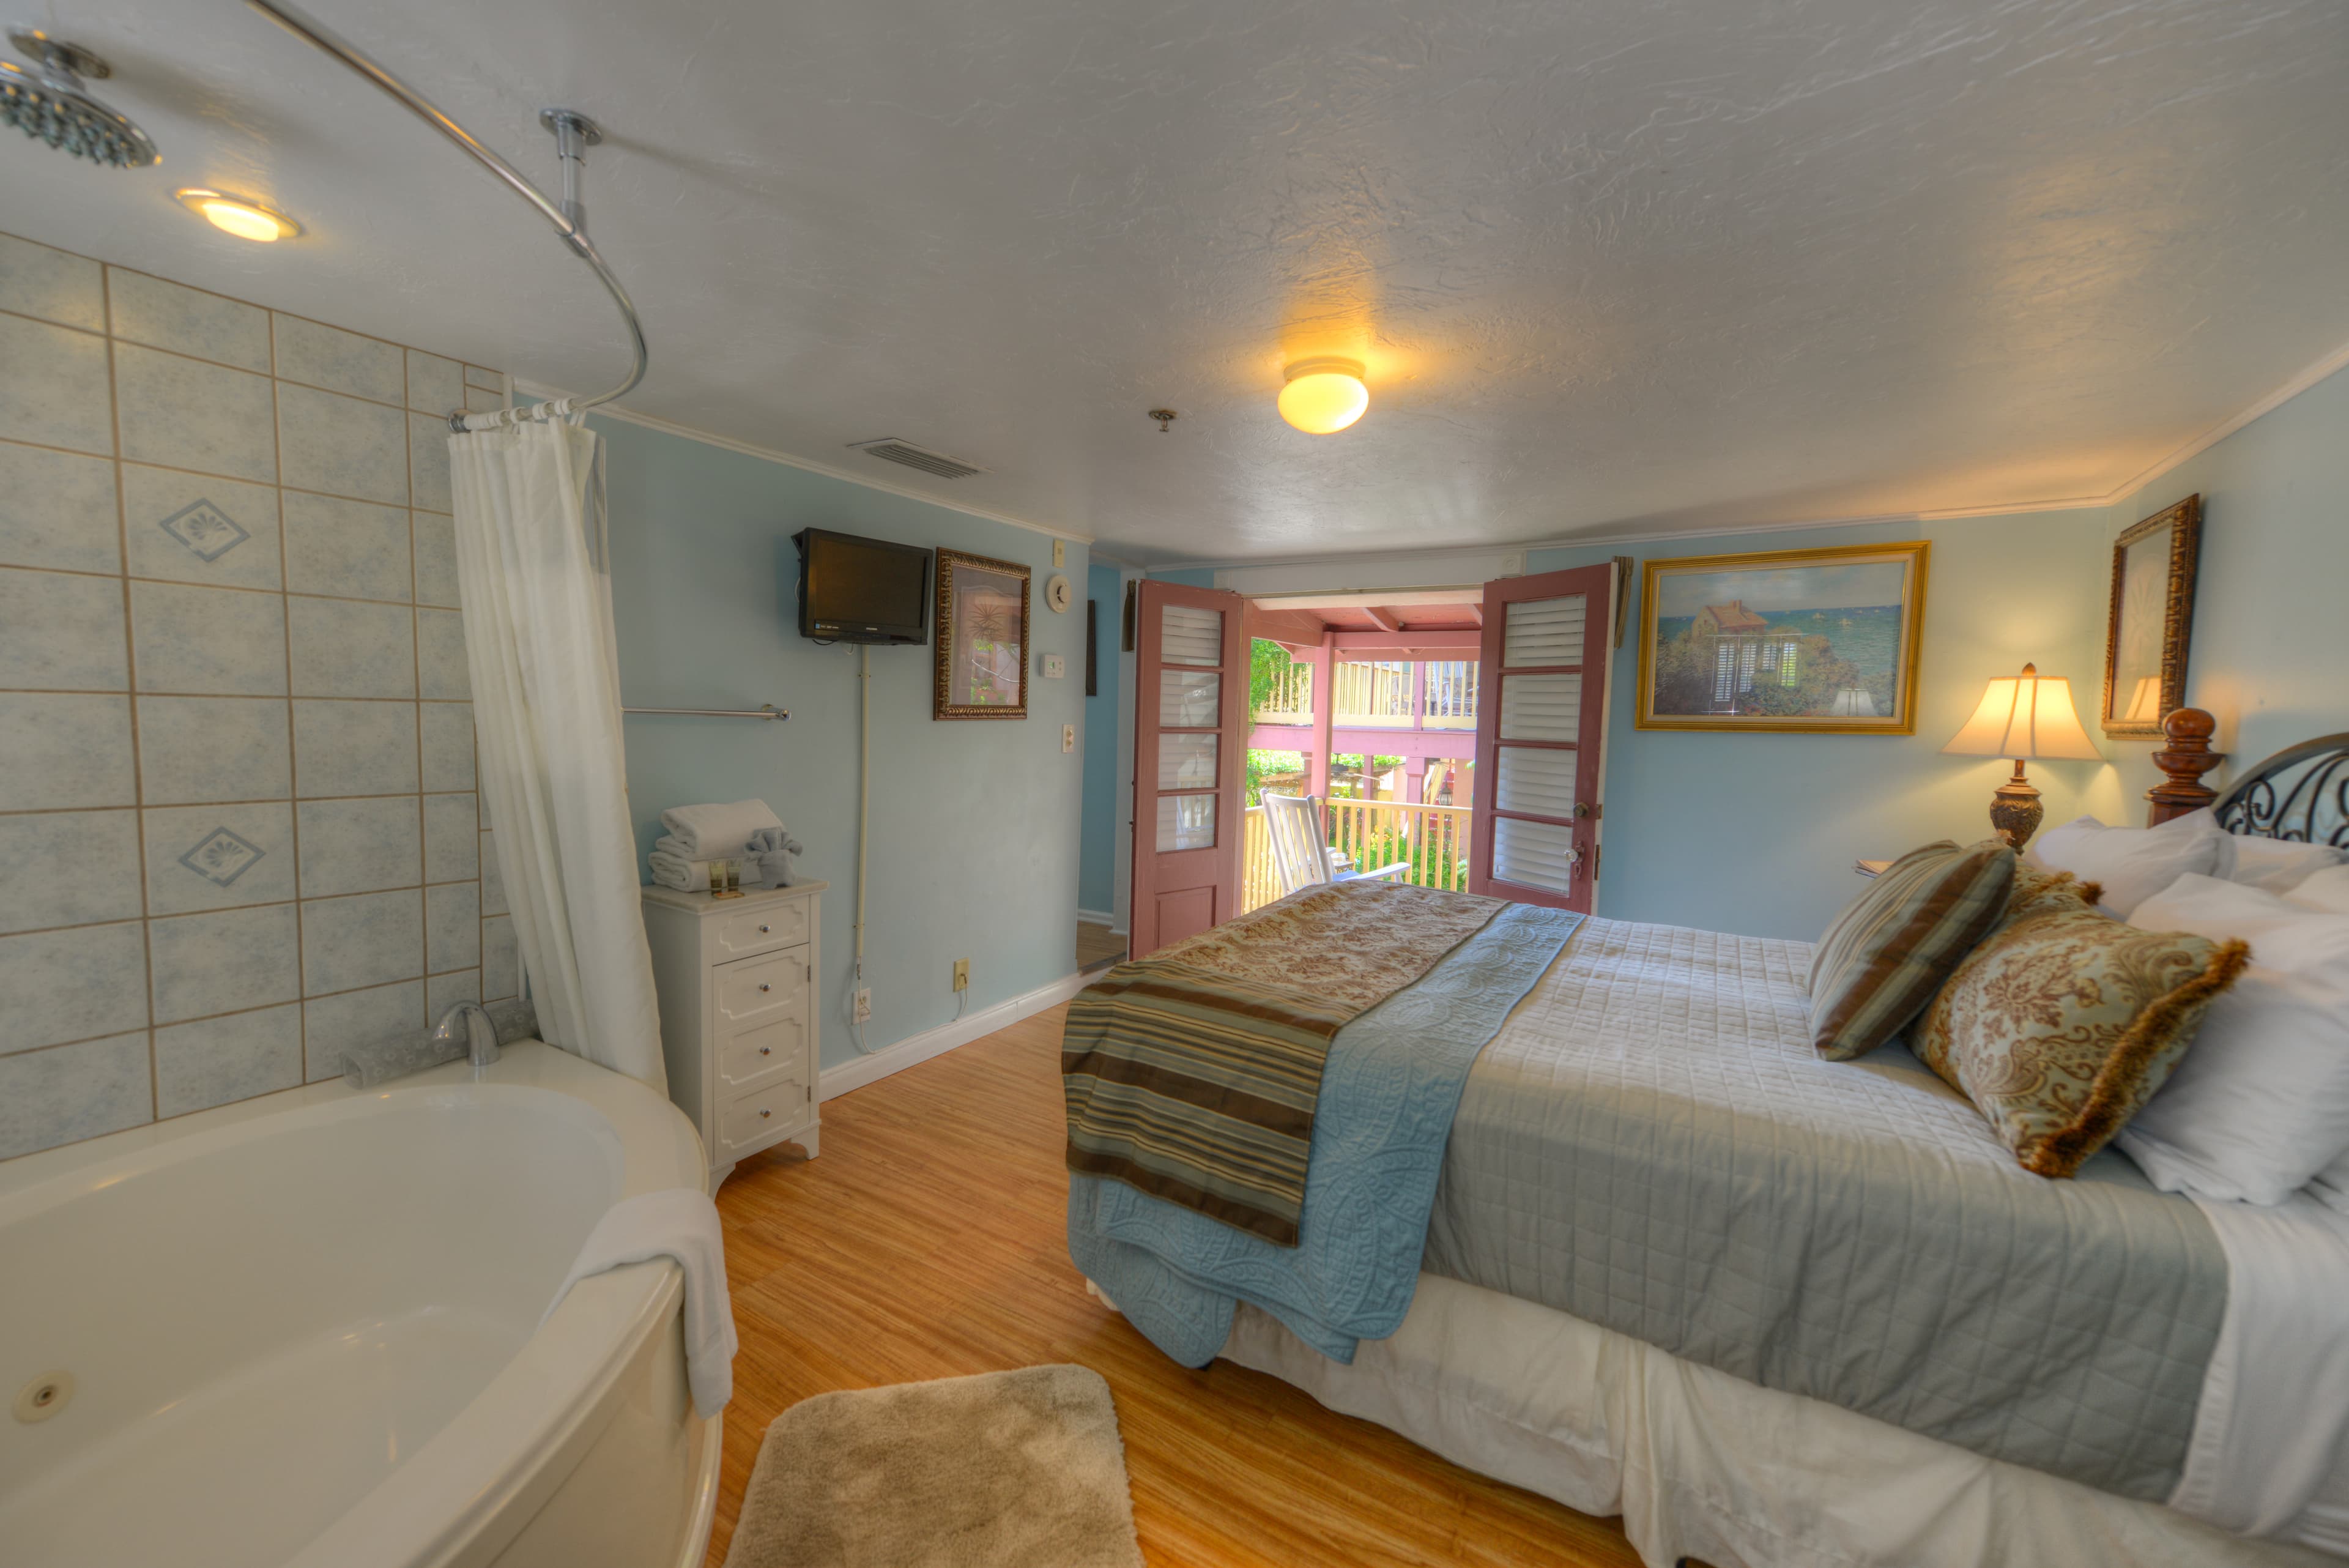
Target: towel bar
{"points": [[765, 710]]}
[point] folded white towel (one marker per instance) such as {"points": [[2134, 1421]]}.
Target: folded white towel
{"points": [[680, 1223], [671, 870], [716, 832]]}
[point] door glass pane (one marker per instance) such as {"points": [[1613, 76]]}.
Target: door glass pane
{"points": [[1189, 699], [1538, 781], [1544, 632], [1188, 636], [1186, 761], [1186, 822], [1534, 854], [1541, 707]]}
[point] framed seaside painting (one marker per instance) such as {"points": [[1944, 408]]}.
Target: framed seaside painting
{"points": [[1819, 640], [982, 637], [2152, 616]]}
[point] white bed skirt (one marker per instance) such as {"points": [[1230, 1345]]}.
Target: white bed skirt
{"points": [[1702, 1464]]}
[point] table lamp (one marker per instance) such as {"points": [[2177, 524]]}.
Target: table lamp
{"points": [[2024, 717]]}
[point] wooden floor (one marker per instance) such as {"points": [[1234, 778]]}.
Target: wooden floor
{"points": [[1097, 945], [926, 1242]]}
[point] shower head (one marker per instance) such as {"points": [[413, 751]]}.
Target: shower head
{"points": [[48, 103]]}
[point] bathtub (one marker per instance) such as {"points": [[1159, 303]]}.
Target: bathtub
{"points": [[305, 1330]]}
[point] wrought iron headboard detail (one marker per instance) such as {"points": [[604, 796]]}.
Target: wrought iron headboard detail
{"points": [[2301, 794]]}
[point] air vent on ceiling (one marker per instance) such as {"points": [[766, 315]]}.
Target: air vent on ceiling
{"points": [[889, 448]]}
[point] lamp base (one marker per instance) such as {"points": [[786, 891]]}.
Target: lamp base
{"points": [[2015, 811]]}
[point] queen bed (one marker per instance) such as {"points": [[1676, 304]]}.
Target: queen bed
{"points": [[1772, 1309]]}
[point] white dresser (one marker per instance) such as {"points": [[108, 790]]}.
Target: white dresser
{"points": [[738, 1014]]}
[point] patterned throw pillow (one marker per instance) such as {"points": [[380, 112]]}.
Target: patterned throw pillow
{"points": [[1884, 957], [2064, 1022], [2038, 892]]}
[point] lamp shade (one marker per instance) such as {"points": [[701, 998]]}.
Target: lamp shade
{"points": [[2024, 716]]}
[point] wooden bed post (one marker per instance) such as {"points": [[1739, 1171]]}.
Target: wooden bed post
{"points": [[2184, 760]]}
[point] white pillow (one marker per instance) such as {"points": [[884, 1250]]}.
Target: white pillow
{"points": [[2274, 864], [2326, 890], [2133, 863], [2259, 1103], [2330, 1186]]}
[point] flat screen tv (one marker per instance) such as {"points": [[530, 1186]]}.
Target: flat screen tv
{"points": [[862, 590]]}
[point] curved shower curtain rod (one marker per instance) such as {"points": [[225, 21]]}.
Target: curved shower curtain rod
{"points": [[574, 133]]}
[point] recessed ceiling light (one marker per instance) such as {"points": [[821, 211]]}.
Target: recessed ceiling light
{"points": [[1324, 396], [239, 215]]}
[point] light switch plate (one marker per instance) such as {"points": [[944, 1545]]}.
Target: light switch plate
{"points": [[1068, 737], [1060, 552], [1055, 666]]}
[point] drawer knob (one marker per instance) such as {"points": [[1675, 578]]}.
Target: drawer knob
{"points": [[765, 987], [764, 929], [765, 1114], [766, 1050]]}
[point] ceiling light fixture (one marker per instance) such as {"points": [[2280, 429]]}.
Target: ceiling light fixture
{"points": [[239, 215], [1324, 396]]}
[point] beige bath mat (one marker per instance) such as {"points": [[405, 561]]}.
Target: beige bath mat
{"points": [[1007, 1470]]}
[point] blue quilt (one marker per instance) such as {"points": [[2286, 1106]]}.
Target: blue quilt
{"points": [[1392, 1081]]}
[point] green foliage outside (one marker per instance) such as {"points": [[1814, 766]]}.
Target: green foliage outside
{"points": [[1268, 661]]}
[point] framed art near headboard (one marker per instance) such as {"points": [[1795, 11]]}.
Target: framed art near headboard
{"points": [[2152, 619]]}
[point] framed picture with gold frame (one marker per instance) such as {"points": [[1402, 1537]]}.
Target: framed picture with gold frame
{"points": [[2152, 619], [1820, 641], [982, 651]]}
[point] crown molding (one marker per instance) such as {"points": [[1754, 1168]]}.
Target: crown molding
{"points": [[538, 391]]}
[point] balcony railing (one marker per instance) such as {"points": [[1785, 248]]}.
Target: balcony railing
{"points": [[1451, 695], [1374, 696], [1290, 700], [1431, 839]]}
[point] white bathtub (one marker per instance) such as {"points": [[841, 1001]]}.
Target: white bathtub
{"points": [[305, 1330]]}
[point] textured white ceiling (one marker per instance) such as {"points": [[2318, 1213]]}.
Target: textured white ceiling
{"points": [[1614, 264]]}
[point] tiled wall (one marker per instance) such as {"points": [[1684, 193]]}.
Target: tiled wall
{"points": [[238, 831]]}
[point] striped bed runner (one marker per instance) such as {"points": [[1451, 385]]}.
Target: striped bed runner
{"points": [[1192, 1075]]}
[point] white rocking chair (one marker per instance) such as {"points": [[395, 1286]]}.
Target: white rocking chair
{"points": [[1296, 832]]}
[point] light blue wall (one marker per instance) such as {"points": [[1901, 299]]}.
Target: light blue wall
{"points": [[973, 852], [2268, 656], [1097, 867]]}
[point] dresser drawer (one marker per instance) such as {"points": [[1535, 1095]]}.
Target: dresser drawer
{"points": [[760, 929], [750, 989], [747, 1056], [749, 1120]]}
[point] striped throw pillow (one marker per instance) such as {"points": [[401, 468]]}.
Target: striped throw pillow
{"points": [[1883, 958]]}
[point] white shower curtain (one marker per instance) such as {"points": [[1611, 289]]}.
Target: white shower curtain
{"points": [[535, 584]]}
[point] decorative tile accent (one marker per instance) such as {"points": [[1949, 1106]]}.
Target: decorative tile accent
{"points": [[500, 959], [429, 485], [436, 559], [56, 510], [192, 641], [342, 446], [453, 926], [223, 962], [351, 549], [219, 1060], [68, 869], [360, 1020], [452, 838], [61, 633], [218, 856], [53, 285], [72, 985], [435, 385], [197, 749], [69, 1093], [360, 846], [448, 735], [55, 393], [343, 649], [188, 320], [367, 940], [440, 667], [63, 751], [192, 414], [337, 361], [198, 528], [353, 748]]}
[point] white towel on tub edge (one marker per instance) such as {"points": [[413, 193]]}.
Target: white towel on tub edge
{"points": [[681, 1223]]}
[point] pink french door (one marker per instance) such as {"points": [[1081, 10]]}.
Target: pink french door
{"points": [[1190, 723], [1541, 737]]}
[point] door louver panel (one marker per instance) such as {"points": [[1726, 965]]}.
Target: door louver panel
{"points": [[1540, 782], [1544, 632], [1535, 854], [1541, 707], [1191, 636]]}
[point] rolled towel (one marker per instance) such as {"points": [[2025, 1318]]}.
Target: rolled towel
{"points": [[772, 848], [716, 832], [693, 876]]}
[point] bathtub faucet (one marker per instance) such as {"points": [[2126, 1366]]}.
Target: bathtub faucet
{"points": [[469, 1021]]}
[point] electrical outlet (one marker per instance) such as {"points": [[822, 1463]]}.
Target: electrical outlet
{"points": [[962, 974], [864, 1006], [1060, 552], [1068, 737]]}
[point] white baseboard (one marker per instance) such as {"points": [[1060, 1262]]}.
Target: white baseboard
{"points": [[1096, 917], [917, 1049]]}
